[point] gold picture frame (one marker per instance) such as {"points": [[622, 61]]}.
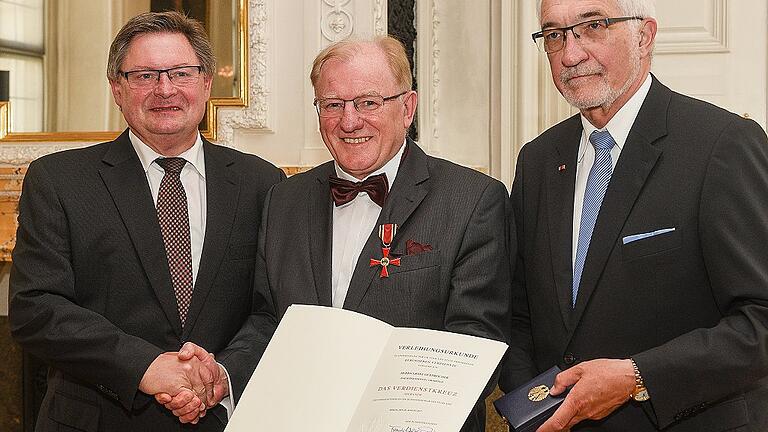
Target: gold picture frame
{"points": [[208, 128]]}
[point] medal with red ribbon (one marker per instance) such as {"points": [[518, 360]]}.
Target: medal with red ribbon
{"points": [[386, 234]]}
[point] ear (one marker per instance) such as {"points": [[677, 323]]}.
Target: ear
{"points": [[410, 100], [208, 83], [648, 36], [117, 92]]}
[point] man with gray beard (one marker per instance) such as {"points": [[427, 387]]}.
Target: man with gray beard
{"points": [[641, 233]]}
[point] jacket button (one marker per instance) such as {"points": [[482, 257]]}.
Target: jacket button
{"points": [[569, 359]]}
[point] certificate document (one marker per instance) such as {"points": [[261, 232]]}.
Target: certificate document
{"points": [[332, 370]]}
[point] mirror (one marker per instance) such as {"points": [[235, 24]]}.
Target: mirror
{"points": [[57, 84]]}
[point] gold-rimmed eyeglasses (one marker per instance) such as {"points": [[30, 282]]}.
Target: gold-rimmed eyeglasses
{"points": [[147, 78], [592, 31], [365, 104]]}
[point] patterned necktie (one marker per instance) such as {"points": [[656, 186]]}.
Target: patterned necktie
{"points": [[597, 184], [173, 215], [344, 191]]}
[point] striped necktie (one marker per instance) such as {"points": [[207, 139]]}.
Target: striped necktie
{"points": [[597, 184]]}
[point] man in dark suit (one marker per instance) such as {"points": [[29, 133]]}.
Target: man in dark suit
{"points": [[641, 229], [127, 249], [447, 221]]}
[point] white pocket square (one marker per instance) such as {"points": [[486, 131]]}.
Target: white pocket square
{"points": [[636, 237]]}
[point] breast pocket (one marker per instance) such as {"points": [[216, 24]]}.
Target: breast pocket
{"points": [[412, 294], [651, 245], [420, 261]]}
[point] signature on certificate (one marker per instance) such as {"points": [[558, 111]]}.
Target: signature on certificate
{"points": [[410, 429]]}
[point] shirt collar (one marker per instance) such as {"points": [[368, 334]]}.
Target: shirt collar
{"points": [[621, 123], [390, 168], [194, 155]]}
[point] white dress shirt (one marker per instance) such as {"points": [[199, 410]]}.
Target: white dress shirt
{"points": [[353, 223], [193, 180], [619, 127]]}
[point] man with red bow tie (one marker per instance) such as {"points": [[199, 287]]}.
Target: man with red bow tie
{"points": [[384, 229]]}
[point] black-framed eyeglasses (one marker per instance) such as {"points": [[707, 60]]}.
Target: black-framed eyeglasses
{"points": [[365, 104], [147, 78], [592, 31]]}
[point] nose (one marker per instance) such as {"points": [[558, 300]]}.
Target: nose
{"points": [[164, 87], [350, 118], [573, 51]]}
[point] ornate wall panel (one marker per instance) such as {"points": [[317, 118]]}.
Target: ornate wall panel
{"points": [[256, 115], [715, 50], [336, 22], [702, 29]]}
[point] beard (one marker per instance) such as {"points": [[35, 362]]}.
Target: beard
{"points": [[603, 95]]}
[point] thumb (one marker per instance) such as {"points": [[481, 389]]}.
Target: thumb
{"points": [[563, 380], [187, 351], [163, 398]]}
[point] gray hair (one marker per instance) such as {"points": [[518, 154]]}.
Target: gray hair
{"points": [[638, 8], [161, 22]]}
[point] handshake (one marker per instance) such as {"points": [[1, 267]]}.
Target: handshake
{"points": [[187, 382]]}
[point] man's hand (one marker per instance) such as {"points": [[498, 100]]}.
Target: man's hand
{"points": [[190, 408], [189, 381], [599, 387], [220, 388], [182, 405], [168, 374]]}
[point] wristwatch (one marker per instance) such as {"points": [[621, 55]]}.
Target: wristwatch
{"points": [[640, 394]]}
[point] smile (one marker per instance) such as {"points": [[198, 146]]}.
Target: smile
{"points": [[166, 109], [355, 140]]}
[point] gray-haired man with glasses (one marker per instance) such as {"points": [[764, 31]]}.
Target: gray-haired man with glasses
{"points": [[641, 267], [134, 258]]}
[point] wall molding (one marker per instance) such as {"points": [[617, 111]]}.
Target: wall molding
{"points": [[711, 37], [257, 114], [23, 154], [380, 19], [428, 74]]}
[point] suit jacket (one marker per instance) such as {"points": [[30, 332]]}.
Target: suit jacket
{"points": [[690, 303], [90, 289], [461, 285]]}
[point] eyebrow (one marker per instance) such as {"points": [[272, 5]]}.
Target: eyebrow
{"points": [[369, 93], [137, 68], [580, 17]]}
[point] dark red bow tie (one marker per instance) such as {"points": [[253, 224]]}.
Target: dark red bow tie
{"points": [[344, 191]]}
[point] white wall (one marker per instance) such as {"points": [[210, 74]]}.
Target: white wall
{"points": [[484, 88]]}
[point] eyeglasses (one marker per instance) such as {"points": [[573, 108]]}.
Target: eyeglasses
{"points": [[592, 31], [180, 76], [366, 104]]}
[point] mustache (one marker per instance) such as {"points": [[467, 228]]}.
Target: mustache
{"points": [[579, 70]]}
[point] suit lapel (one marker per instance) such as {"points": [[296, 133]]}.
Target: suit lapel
{"points": [[126, 181], [409, 189], [320, 231], [638, 157], [222, 190], [560, 181]]}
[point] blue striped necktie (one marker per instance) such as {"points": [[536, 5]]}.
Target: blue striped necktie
{"points": [[597, 184]]}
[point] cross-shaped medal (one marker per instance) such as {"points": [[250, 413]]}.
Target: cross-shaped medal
{"points": [[386, 233]]}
